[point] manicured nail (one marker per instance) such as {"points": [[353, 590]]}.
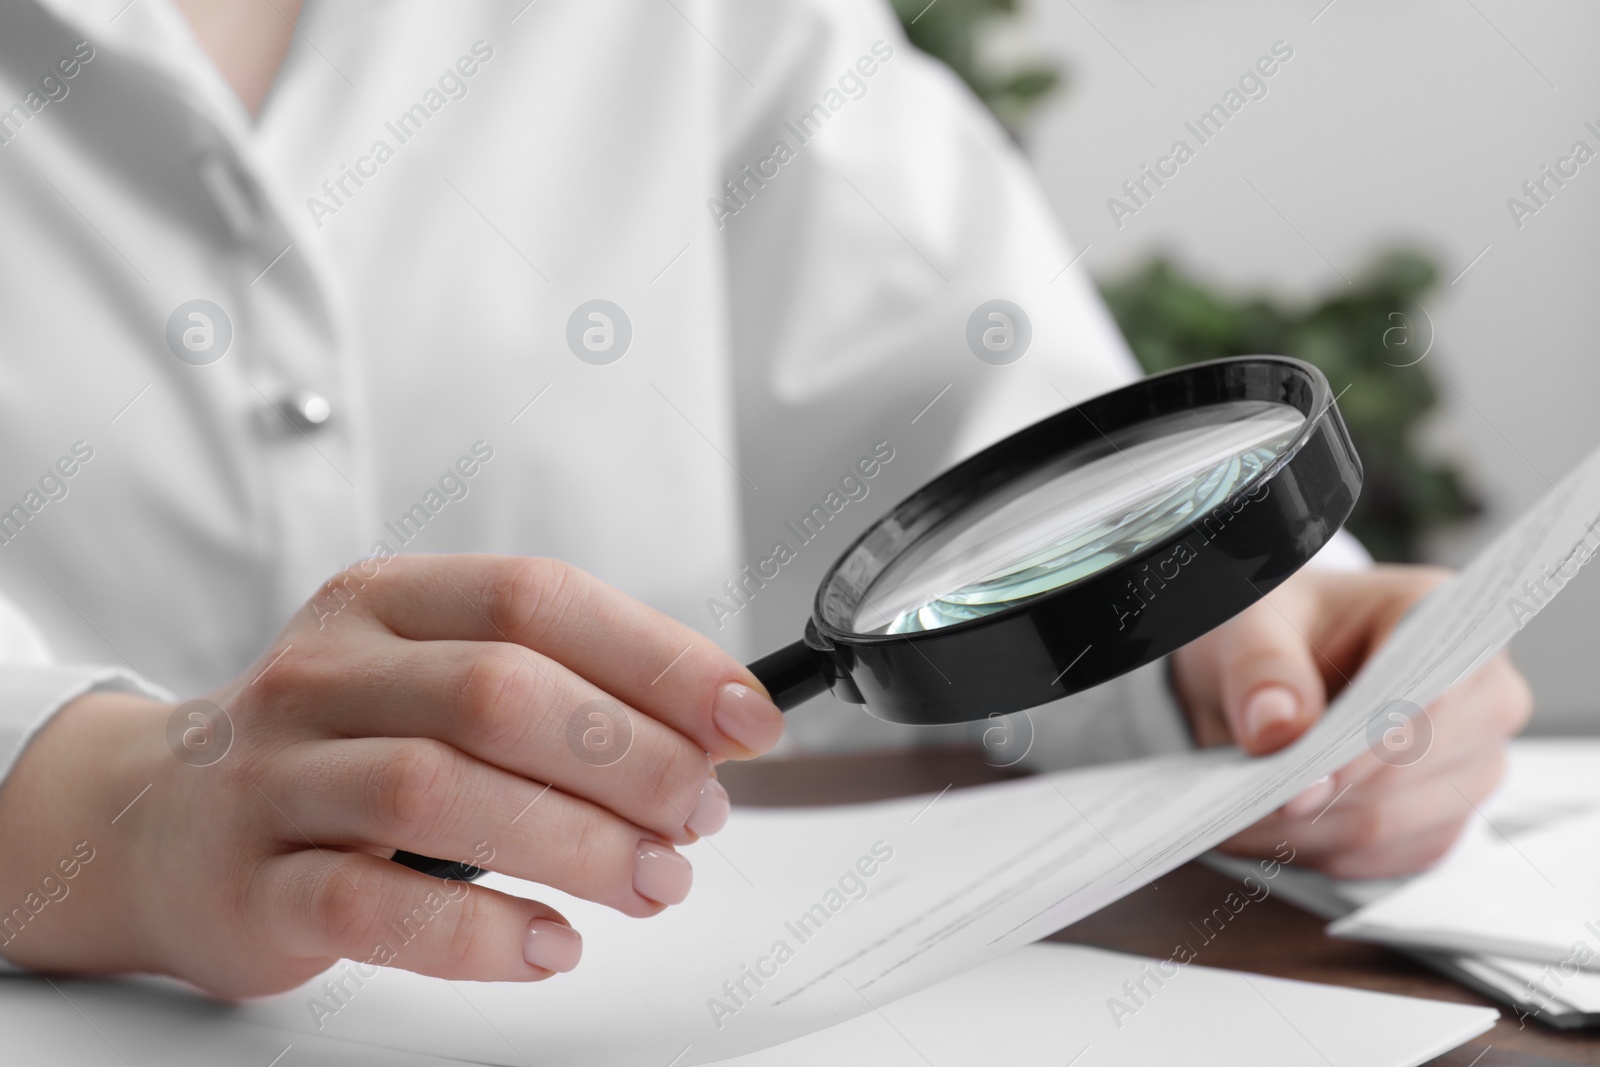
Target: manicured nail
{"points": [[711, 811], [1312, 800], [552, 945], [747, 717], [1268, 711], [660, 874]]}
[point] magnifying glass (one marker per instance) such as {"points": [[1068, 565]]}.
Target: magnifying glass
{"points": [[1080, 548], [1087, 545]]}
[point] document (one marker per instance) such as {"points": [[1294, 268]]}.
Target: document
{"points": [[1042, 1006], [801, 920], [1548, 780], [1552, 991], [1534, 898], [1046, 1005], [143, 1022]]}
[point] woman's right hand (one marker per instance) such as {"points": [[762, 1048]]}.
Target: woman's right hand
{"points": [[513, 713]]}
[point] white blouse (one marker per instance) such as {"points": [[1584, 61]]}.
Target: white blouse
{"points": [[639, 285]]}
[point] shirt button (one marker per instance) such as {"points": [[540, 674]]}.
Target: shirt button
{"points": [[293, 413], [306, 410]]}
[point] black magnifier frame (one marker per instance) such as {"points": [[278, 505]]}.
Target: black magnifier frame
{"points": [[1114, 620]]}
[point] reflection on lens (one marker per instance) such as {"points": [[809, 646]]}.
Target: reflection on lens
{"points": [[1086, 512]]}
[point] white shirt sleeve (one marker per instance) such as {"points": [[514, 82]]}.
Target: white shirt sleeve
{"points": [[33, 687], [32, 693]]}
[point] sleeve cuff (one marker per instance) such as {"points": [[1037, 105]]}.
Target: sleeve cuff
{"points": [[31, 695]]}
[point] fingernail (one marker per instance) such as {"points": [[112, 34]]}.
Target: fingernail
{"points": [[747, 717], [552, 945], [1271, 709], [711, 811], [660, 874], [1313, 799]]}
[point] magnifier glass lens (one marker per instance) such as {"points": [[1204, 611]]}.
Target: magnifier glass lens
{"points": [[1088, 510]]}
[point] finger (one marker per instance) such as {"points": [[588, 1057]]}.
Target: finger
{"points": [[1394, 859], [1313, 799], [1500, 702], [1490, 706], [1357, 612], [1392, 820], [427, 798], [1340, 617], [520, 710], [637, 654], [1408, 829], [353, 906], [1269, 685]]}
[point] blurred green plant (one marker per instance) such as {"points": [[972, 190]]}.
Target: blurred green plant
{"points": [[1370, 339], [951, 29]]}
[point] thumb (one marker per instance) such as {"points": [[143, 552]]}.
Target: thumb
{"points": [[1270, 688]]}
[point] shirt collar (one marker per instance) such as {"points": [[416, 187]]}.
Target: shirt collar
{"points": [[154, 35]]}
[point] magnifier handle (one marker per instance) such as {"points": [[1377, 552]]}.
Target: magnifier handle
{"points": [[793, 674], [453, 870]]}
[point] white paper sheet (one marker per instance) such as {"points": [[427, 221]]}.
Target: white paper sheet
{"points": [[1548, 779], [1042, 1006], [973, 875], [1535, 898], [1048, 1005], [145, 1022], [1552, 991]]}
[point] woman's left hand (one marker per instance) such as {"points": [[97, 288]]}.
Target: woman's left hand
{"points": [[1261, 680]]}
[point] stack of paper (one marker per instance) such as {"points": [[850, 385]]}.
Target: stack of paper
{"points": [[1534, 898], [1514, 910]]}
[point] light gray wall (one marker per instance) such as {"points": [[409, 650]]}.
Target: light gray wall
{"points": [[1393, 121]]}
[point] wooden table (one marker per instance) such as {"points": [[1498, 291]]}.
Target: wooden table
{"points": [[1270, 937]]}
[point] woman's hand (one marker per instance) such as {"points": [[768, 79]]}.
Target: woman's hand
{"points": [[513, 713], [1263, 678]]}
